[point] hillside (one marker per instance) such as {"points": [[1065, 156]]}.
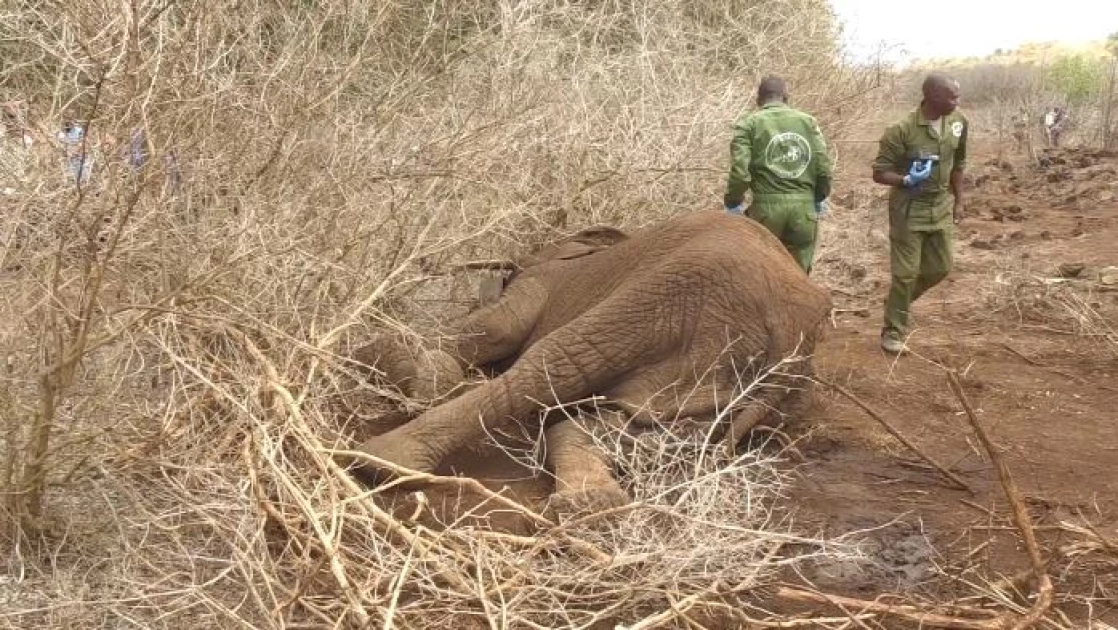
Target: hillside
{"points": [[1033, 53]]}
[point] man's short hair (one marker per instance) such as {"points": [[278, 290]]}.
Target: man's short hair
{"points": [[771, 88], [935, 81]]}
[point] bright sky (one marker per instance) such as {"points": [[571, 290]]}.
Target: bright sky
{"points": [[962, 28]]}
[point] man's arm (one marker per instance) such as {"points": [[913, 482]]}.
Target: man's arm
{"points": [[957, 191], [957, 170], [825, 169], [890, 152], [741, 152], [888, 178], [957, 184]]}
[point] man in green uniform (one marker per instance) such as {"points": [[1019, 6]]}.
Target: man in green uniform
{"points": [[778, 152], [922, 158]]}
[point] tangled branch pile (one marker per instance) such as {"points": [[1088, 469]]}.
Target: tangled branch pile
{"points": [[1071, 306]]}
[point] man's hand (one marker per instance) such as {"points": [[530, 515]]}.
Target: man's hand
{"points": [[917, 173], [958, 212]]}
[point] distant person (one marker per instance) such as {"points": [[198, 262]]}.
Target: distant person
{"points": [[79, 160], [1021, 131], [173, 170], [921, 158], [16, 141], [779, 154], [1055, 121], [136, 151]]}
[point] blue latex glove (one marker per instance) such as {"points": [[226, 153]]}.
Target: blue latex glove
{"points": [[917, 173], [820, 209], [738, 209]]}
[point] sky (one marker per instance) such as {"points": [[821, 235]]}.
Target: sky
{"points": [[962, 28]]}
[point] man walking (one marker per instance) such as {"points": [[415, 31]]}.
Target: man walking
{"points": [[778, 152], [922, 158], [1054, 122]]}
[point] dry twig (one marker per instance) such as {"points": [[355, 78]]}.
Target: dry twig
{"points": [[959, 483], [1020, 513]]}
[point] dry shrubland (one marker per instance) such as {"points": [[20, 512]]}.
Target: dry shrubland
{"points": [[174, 332], [1007, 96]]}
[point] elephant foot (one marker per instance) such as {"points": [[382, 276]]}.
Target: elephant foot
{"points": [[398, 451], [570, 502], [584, 479], [418, 373]]}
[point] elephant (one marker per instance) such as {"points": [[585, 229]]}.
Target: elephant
{"points": [[661, 323]]}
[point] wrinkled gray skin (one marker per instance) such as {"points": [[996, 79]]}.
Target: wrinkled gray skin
{"points": [[662, 324]]}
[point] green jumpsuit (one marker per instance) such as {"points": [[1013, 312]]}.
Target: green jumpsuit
{"points": [[920, 220], [779, 153]]}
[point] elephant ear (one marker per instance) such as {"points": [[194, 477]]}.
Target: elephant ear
{"points": [[599, 236], [579, 244]]}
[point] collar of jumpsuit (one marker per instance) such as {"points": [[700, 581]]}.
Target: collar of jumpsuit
{"points": [[935, 126]]}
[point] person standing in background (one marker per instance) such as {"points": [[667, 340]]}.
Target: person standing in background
{"points": [[778, 153]]}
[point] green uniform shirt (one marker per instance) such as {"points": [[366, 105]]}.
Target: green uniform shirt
{"points": [[929, 205], [776, 150]]}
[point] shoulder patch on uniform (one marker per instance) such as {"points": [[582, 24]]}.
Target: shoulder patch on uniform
{"points": [[788, 154], [957, 128]]}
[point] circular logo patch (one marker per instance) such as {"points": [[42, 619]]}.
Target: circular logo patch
{"points": [[957, 128], [788, 155]]}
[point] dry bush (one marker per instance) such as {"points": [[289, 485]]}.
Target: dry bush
{"points": [[298, 542], [1006, 102], [1025, 297], [174, 332]]}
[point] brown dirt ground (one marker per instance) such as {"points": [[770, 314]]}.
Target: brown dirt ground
{"points": [[1045, 390]]}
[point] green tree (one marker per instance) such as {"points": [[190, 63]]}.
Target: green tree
{"points": [[1108, 97], [1078, 77]]}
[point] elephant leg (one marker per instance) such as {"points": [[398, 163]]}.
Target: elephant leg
{"points": [[584, 479], [742, 422], [499, 331], [800, 399], [570, 364], [648, 411], [489, 334], [725, 417], [656, 400]]}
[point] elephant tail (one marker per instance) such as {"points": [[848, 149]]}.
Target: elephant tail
{"points": [[753, 413], [784, 394]]}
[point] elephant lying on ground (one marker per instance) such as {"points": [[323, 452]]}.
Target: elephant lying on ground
{"points": [[662, 324]]}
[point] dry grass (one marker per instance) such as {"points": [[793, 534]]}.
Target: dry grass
{"points": [[1071, 307]]}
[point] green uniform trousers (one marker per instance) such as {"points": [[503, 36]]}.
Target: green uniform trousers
{"points": [[791, 218], [919, 260]]}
